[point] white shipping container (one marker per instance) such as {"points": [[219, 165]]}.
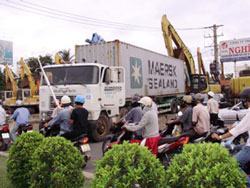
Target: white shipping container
{"points": [[147, 72]]}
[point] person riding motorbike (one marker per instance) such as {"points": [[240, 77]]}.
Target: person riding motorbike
{"points": [[63, 116], [148, 124], [213, 108], [200, 118], [78, 120], [186, 118], [243, 156], [57, 109], [21, 117], [134, 115]]}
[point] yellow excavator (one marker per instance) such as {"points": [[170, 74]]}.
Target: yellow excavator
{"points": [[58, 59], [213, 84], [10, 96], [33, 97], [195, 82]]}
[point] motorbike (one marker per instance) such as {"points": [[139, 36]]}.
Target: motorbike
{"points": [[167, 146], [4, 137], [170, 146], [5, 140], [23, 128], [48, 131], [81, 142]]}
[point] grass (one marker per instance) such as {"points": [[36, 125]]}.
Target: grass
{"points": [[5, 183]]}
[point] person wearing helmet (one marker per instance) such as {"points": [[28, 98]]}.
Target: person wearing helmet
{"points": [[213, 108], [135, 114], [21, 117], [57, 109], [200, 117], [78, 119], [63, 117], [148, 124], [243, 156], [186, 118]]}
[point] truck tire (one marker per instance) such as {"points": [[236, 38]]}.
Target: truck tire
{"points": [[174, 106], [101, 128]]}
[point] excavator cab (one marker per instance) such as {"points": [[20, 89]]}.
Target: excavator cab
{"points": [[198, 83]]}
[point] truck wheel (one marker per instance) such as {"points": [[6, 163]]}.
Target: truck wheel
{"points": [[101, 128], [174, 106]]}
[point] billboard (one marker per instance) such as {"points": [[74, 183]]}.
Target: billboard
{"points": [[6, 52], [235, 50]]}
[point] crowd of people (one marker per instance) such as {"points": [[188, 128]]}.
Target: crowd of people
{"points": [[196, 120], [72, 121]]}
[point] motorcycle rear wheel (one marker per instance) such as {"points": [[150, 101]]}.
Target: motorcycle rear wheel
{"points": [[3, 146], [106, 146]]}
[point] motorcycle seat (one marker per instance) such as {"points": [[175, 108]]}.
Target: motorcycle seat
{"points": [[79, 137]]}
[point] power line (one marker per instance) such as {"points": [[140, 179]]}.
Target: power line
{"points": [[88, 18], [79, 19], [57, 15]]}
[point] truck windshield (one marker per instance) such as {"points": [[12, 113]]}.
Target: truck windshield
{"points": [[72, 75]]}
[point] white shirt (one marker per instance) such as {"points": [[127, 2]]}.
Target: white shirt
{"points": [[154, 107], [243, 126], [2, 116], [213, 106]]}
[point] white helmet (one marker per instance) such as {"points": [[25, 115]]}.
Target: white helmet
{"points": [[18, 102], [146, 101], [65, 99], [211, 94]]}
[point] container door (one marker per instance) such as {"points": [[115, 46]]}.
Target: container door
{"points": [[112, 88]]}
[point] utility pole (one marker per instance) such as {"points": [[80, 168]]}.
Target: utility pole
{"points": [[215, 46], [215, 43]]}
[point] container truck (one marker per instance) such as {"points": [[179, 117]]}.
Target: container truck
{"points": [[108, 75]]}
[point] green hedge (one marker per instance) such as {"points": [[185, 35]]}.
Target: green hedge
{"points": [[129, 165], [19, 163], [204, 165], [57, 163]]}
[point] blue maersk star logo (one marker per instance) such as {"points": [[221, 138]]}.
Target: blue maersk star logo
{"points": [[135, 72]]}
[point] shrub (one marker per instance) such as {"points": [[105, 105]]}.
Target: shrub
{"points": [[57, 163], [204, 165], [19, 162], [129, 165]]}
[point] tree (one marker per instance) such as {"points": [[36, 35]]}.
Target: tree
{"points": [[204, 165], [35, 68], [66, 56], [34, 65]]}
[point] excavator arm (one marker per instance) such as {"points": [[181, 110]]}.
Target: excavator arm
{"points": [[181, 51], [25, 70], [58, 59], [201, 67], [9, 76]]}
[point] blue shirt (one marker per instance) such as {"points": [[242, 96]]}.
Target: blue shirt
{"points": [[21, 116], [62, 119], [134, 116]]}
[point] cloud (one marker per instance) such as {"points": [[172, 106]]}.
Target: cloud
{"points": [[33, 34]]}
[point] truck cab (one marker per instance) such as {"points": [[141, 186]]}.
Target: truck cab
{"points": [[102, 86]]}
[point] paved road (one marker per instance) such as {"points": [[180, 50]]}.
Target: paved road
{"points": [[96, 154]]}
